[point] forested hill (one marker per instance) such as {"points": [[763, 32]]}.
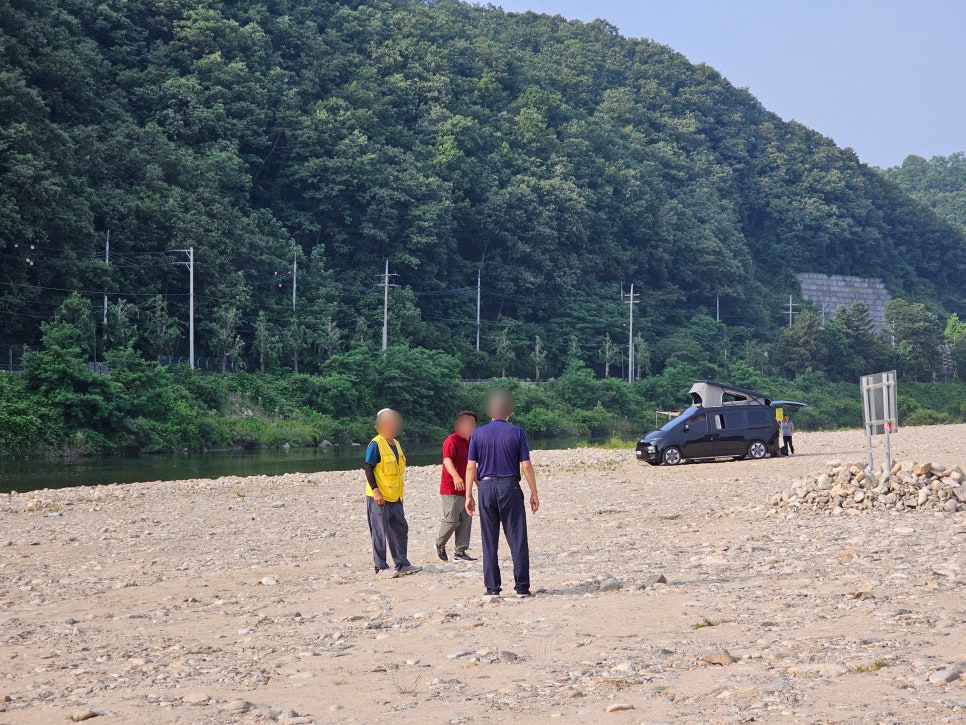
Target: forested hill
{"points": [[559, 158], [939, 182]]}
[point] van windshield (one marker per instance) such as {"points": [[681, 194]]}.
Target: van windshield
{"points": [[675, 422]]}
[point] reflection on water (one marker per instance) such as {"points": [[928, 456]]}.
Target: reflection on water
{"points": [[33, 475]]}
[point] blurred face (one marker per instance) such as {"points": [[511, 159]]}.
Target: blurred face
{"points": [[465, 426], [389, 425], [786, 418], [500, 406]]}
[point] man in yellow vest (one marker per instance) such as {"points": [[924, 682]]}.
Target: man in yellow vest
{"points": [[384, 469]]}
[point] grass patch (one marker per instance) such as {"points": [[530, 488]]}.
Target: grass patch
{"points": [[404, 689], [614, 443], [705, 622], [874, 666]]}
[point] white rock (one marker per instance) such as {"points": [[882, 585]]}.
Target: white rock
{"points": [[619, 707], [235, 706]]}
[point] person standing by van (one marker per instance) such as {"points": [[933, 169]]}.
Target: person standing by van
{"points": [[788, 429]]}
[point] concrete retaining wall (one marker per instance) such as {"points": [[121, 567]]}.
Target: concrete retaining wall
{"points": [[830, 292]]}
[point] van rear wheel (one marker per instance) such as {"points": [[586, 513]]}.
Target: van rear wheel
{"points": [[757, 450], [671, 456]]}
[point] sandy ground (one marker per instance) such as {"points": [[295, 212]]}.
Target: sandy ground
{"points": [[252, 600]]}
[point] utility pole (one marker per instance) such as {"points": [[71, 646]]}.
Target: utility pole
{"points": [[107, 263], [479, 277], [191, 307], [385, 305], [190, 264], [632, 299], [295, 269], [385, 310], [791, 310]]}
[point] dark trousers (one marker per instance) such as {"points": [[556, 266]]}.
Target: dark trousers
{"points": [[787, 440], [387, 523], [501, 503], [455, 521]]}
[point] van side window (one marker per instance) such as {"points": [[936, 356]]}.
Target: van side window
{"points": [[699, 423], [719, 421], [735, 420], [760, 418]]}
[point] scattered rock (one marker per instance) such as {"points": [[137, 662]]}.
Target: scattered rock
{"points": [[235, 706], [716, 657], [195, 698], [610, 584], [944, 676], [269, 581], [619, 707], [82, 715]]}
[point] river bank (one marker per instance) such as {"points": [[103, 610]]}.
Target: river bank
{"points": [[248, 600], [32, 475]]}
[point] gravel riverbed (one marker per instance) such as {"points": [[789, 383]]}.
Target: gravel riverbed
{"points": [[678, 594]]}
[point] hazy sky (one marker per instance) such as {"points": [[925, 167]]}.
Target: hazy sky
{"points": [[886, 77]]}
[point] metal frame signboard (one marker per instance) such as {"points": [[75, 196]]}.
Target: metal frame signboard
{"points": [[879, 410]]}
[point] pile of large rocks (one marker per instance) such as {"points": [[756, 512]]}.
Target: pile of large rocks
{"points": [[853, 487]]}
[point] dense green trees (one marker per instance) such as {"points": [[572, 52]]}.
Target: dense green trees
{"points": [[63, 403], [558, 157], [939, 182]]}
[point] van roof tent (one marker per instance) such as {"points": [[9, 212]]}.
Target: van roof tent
{"points": [[710, 394]]}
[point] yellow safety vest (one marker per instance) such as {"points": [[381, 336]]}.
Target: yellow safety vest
{"points": [[389, 471]]}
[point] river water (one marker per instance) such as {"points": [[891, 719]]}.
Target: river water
{"points": [[33, 475]]}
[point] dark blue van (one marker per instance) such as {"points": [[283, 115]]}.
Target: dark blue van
{"points": [[723, 421]]}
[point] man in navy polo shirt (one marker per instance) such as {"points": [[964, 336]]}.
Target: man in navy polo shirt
{"points": [[498, 453]]}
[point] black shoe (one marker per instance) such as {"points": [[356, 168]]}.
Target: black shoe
{"points": [[441, 553], [492, 592], [463, 556], [524, 595]]}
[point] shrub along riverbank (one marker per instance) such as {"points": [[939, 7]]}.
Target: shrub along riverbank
{"points": [[61, 406]]}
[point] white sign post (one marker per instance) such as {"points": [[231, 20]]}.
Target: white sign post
{"points": [[879, 410]]}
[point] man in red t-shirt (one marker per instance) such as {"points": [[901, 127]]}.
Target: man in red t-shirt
{"points": [[452, 489]]}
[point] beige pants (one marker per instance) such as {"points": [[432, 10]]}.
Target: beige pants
{"points": [[455, 520]]}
